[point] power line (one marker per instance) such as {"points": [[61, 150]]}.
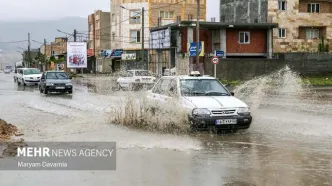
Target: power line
{"points": [[13, 41]]}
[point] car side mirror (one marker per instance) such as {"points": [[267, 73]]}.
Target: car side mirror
{"points": [[232, 93]]}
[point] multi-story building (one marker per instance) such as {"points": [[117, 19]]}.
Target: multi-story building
{"points": [[301, 23], [99, 32], [126, 21], [55, 48]]}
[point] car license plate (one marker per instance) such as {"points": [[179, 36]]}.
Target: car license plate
{"points": [[59, 87], [225, 121]]}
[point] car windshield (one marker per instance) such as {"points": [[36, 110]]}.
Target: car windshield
{"points": [[202, 87], [31, 71], [56, 75], [142, 73], [8, 67]]}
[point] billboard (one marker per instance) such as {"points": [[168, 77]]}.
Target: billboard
{"points": [[160, 39], [115, 53], [192, 49], [76, 55]]}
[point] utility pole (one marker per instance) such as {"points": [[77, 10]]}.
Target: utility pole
{"points": [[197, 33], [75, 35], [29, 60], [142, 55], [45, 55]]}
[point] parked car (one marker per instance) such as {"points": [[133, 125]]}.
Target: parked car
{"points": [[135, 79], [27, 76], [208, 103], [55, 81]]}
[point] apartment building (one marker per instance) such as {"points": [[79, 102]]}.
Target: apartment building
{"points": [[55, 48], [99, 32], [126, 20], [301, 23]]}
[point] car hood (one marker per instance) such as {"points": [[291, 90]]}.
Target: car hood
{"points": [[58, 81], [33, 75], [215, 102]]}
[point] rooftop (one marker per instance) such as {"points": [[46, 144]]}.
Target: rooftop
{"points": [[216, 25]]}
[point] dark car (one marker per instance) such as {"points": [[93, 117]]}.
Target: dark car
{"points": [[53, 81]]}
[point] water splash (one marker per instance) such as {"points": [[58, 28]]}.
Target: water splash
{"points": [[283, 84]]}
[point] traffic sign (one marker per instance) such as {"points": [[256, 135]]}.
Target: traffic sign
{"points": [[219, 53], [215, 60]]}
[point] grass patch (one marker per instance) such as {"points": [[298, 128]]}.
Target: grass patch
{"points": [[318, 80]]}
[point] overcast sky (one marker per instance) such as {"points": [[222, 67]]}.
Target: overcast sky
{"points": [[23, 10]]}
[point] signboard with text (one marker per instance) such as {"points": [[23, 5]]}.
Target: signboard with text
{"points": [[126, 57], [192, 49], [219, 53], [77, 55], [160, 39]]}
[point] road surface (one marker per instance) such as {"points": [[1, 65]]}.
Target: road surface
{"points": [[288, 144]]}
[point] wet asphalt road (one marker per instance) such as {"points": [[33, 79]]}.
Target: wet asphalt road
{"points": [[289, 143]]}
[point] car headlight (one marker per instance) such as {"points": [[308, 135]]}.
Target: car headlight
{"points": [[243, 110], [69, 84], [49, 84], [201, 112]]}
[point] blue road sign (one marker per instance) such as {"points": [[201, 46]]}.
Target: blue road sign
{"points": [[192, 49], [220, 53]]}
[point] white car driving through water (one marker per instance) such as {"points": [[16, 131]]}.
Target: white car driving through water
{"points": [[134, 79], [28, 76], [208, 103]]}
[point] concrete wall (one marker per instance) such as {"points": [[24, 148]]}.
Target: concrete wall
{"points": [[243, 11], [246, 68]]}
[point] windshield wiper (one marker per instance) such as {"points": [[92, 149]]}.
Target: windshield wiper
{"points": [[216, 93], [56, 76]]}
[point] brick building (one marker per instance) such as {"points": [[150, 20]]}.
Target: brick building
{"points": [[55, 48], [126, 22], [99, 32], [236, 40], [302, 23]]}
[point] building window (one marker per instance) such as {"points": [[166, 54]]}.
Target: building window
{"points": [[282, 33], [135, 36], [312, 33], [135, 17], [90, 27], [313, 8], [244, 37], [282, 5], [166, 14]]}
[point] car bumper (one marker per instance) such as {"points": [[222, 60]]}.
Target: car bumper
{"points": [[28, 82], [242, 122], [57, 89]]}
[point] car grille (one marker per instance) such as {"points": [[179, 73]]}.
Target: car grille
{"points": [[59, 84], [223, 112]]}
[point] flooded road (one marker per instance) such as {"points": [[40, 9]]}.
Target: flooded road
{"points": [[289, 142]]}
